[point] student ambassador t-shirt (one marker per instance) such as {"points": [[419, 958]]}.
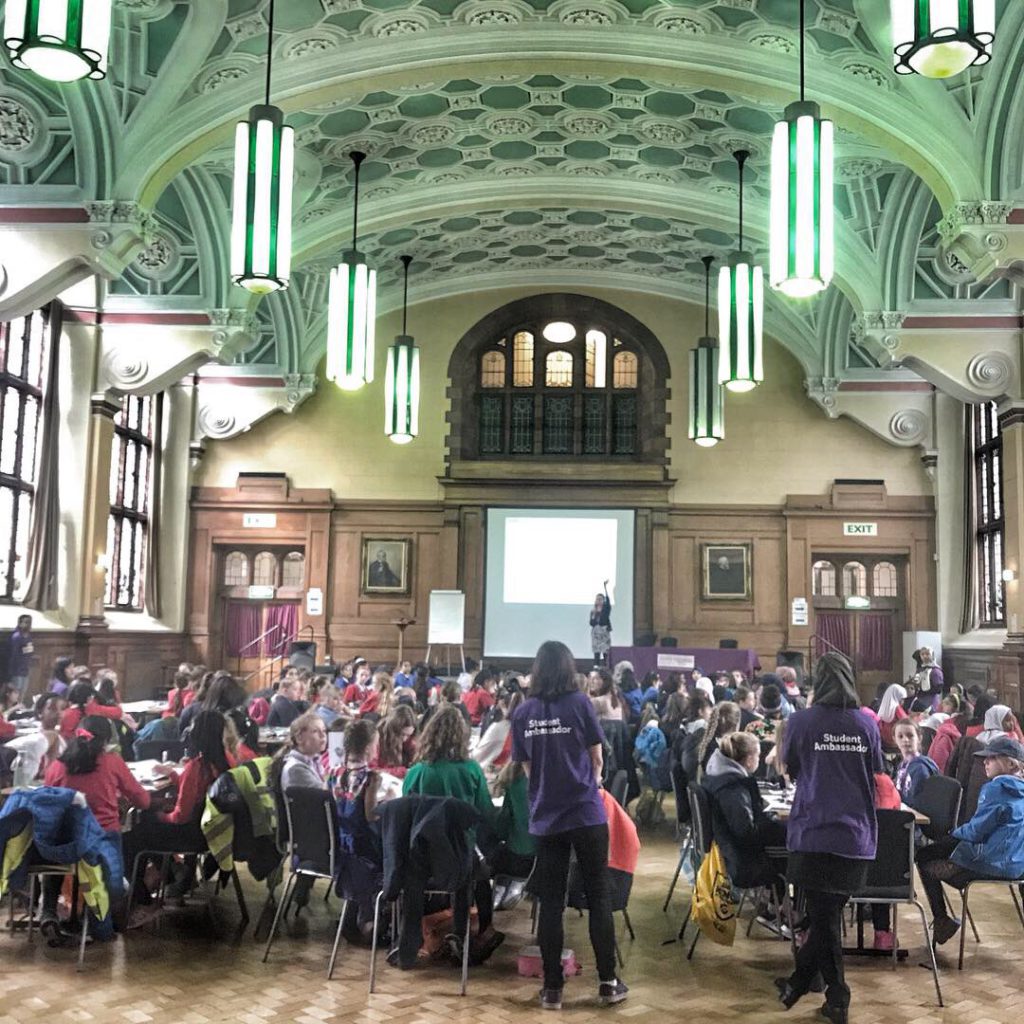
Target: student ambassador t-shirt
{"points": [[555, 737]]}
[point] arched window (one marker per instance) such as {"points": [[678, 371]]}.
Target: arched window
{"points": [[492, 369], [885, 580], [624, 370], [293, 570], [264, 569], [236, 569], [558, 375], [558, 370], [823, 579], [855, 580]]}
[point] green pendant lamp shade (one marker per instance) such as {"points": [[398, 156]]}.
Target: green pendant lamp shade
{"points": [[261, 216], [802, 218], [352, 310], [741, 312], [402, 379], [707, 397], [62, 40], [941, 38]]}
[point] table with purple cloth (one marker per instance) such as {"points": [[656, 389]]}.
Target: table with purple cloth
{"points": [[709, 659]]}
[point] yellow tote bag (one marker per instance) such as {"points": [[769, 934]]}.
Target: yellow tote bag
{"points": [[714, 908]]}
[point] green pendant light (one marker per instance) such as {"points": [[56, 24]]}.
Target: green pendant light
{"points": [[261, 228], [941, 38], [740, 312], [352, 309], [62, 40], [402, 380], [802, 216], [707, 398]]}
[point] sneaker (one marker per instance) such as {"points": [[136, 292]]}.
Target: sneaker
{"points": [[611, 992], [51, 930], [835, 1014], [482, 949], [550, 998], [884, 941], [943, 929]]}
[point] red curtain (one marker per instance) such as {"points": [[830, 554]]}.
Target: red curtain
{"points": [[281, 627], [834, 629], [875, 642], [241, 629]]}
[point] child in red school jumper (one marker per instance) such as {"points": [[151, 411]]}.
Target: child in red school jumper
{"points": [[176, 698], [104, 780], [82, 701]]}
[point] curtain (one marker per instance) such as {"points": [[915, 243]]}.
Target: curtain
{"points": [[834, 629], [44, 538], [875, 642], [969, 563], [152, 585], [286, 618], [241, 629]]}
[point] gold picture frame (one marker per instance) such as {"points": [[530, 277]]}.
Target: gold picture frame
{"points": [[726, 572]]}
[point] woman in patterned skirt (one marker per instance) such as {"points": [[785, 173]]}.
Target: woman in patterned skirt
{"points": [[601, 627]]}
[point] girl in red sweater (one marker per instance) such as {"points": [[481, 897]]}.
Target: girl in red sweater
{"points": [[104, 780], [82, 701]]}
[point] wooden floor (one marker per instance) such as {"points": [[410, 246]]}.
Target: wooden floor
{"points": [[194, 972]]}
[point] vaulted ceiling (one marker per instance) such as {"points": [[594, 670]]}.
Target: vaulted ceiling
{"points": [[519, 142]]}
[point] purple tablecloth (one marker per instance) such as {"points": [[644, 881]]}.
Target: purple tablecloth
{"points": [[710, 659]]}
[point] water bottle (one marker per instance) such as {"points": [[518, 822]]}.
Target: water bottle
{"points": [[23, 774]]}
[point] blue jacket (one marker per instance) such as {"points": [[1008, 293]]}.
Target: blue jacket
{"points": [[635, 700], [651, 750], [992, 842], [910, 778]]}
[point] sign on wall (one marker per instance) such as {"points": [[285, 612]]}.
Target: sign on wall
{"points": [[314, 601], [259, 520], [799, 614], [860, 529]]}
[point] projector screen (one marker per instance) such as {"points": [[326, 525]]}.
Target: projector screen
{"points": [[544, 567]]}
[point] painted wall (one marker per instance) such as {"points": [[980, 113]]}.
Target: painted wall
{"points": [[778, 442]]}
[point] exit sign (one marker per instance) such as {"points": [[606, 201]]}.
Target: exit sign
{"points": [[860, 529]]}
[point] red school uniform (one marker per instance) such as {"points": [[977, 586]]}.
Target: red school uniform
{"points": [[71, 718], [102, 788]]}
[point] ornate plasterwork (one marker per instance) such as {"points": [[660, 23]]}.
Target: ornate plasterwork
{"points": [[990, 372], [908, 426]]}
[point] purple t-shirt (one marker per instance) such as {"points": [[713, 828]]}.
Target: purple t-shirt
{"points": [[555, 736], [833, 755]]}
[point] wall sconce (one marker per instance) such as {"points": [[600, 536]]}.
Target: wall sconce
{"points": [[1009, 575]]}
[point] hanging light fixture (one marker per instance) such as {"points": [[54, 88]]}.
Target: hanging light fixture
{"points": [[740, 312], [802, 218], [62, 40], [352, 309], [941, 38], [707, 399], [261, 229], [402, 380]]}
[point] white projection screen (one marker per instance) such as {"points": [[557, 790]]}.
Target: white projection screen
{"points": [[544, 567]]}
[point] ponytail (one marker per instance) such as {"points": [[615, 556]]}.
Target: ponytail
{"points": [[84, 749]]}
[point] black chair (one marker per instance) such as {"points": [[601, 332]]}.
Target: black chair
{"points": [[619, 787], [939, 799], [700, 843], [683, 830], [1013, 884], [927, 735], [312, 853], [620, 885], [154, 750], [891, 878]]}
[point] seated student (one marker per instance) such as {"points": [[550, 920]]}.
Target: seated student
{"points": [[989, 845], [404, 678], [380, 699], [104, 780], [740, 825], [176, 695], [444, 768], [193, 705], [890, 711], [156, 730], [359, 689], [178, 828], [609, 705], [299, 762], [450, 693], [36, 751], [360, 855], [746, 700], [519, 848], [228, 696], [632, 695], [494, 745], [686, 744], [284, 708], [315, 688], [329, 706], [397, 747], [914, 766], [60, 678], [82, 701], [479, 698], [725, 718], [968, 770], [651, 688]]}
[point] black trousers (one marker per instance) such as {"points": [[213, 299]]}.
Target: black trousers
{"points": [[935, 867], [551, 878], [823, 948]]}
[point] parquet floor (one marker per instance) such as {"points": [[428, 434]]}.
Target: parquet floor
{"points": [[194, 971]]}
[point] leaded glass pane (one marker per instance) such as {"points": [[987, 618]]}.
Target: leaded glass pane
{"points": [[595, 424], [558, 370], [521, 441], [624, 425], [491, 426], [522, 360], [558, 425]]}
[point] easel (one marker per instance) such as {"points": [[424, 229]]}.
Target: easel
{"points": [[448, 655]]}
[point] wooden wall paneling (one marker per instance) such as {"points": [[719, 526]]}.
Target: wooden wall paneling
{"points": [[472, 563], [318, 575], [798, 576], [643, 575], [685, 582], [661, 572]]}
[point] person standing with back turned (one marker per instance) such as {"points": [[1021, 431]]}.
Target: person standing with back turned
{"points": [[832, 751], [557, 739]]}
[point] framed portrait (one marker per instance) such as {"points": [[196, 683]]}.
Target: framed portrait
{"points": [[725, 572], [385, 565]]}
